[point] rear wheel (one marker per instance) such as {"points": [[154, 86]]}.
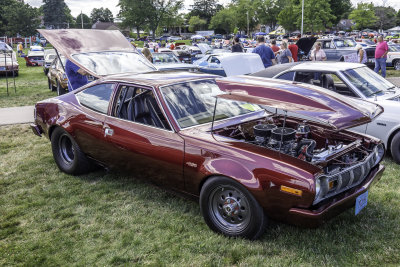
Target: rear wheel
{"points": [[395, 148], [229, 208], [67, 155], [396, 64]]}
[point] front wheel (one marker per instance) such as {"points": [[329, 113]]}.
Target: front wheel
{"points": [[395, 148], [67, 155], [230, 209], [396, 64]]}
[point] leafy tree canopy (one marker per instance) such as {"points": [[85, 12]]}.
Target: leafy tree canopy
{"points": [[56, 14], [196, 23], [363, 16], [386, 17], [18, 18], [101, 14]]}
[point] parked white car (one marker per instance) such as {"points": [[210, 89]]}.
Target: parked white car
{"points": [[393, 57], [357, 82]]}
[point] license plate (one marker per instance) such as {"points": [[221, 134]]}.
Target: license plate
{"points": [[361, 202]]}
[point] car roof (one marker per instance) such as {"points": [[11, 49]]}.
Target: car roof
{"points": [[158, 78], [309, 65]]}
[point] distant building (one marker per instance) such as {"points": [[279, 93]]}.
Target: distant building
{"points": [[105, 26]]}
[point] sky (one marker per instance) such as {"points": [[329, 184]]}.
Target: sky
{"points": [[87, 5]]}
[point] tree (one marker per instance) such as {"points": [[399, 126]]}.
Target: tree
{"points": [[268, 10], [363, 16], [386, 17], [87, 22], [196, 23], [134, 13], [317, 15], [159, 10], [340, 9], [287, 18], [19, 18], [101, 14], [56, 14], [248, 16], [205, 9], [398, 18], [225, 20]]}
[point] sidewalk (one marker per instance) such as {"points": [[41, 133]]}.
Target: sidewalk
{"points": [[16, 115]]}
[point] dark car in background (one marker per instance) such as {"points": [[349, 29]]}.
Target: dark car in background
{"points": [[56, 77]]}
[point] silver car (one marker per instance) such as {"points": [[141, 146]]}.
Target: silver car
{"points": [[357, 82]]}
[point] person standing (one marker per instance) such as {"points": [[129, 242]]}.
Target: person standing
{"points": [[265, 52], [294, 49], [237, 46], [285, 56], [76, 76], [381, 51], [147, 54], [19, 49], [274, 47], [361, 54], [317, 54]]}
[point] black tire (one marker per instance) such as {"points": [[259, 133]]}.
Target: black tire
{"points": [[230, 209], [67, 155], [395, 148], [49, 84], [396, 64], [60, 90]]}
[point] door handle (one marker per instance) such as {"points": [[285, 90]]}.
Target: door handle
{"points": [[108, 131]]}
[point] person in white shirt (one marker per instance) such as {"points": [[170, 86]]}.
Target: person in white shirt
{"points": [[317, 54]]}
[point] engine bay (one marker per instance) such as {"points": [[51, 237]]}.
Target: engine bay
{"points": [[332, 151]]}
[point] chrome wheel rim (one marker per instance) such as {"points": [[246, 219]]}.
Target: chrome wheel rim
{"points": [[66, 149], [229, 209], [397, 65]]}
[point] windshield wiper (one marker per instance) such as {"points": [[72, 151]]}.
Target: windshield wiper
{"points": [[374, 93]]}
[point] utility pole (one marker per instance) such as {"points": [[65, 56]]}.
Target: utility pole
{"points": [[248, 28], [302, 17], [81, 19]]}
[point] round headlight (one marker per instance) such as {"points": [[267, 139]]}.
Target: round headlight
{"points": [[317, 187], [379, 152]]}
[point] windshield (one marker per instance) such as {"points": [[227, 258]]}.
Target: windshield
{"points": [[163, 58], [192, 103], [345, 43], [105, 63], [393, 48], [367, 81]]}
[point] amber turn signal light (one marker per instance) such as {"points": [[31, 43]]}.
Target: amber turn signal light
{"points": [[290, 190]]}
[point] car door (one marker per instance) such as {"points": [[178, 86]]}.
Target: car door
{"points": [[142, 139], [329, 49], [88, 125]]}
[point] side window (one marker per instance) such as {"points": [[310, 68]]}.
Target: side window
{"points": [[326, 45], [96, 97], [287, 76], [213, 60], [329, 81], [139, 105]]}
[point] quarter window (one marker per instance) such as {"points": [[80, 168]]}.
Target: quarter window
{"points": [[96, 97], [287, 76]]}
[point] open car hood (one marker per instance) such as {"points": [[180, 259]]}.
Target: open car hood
{"points": [[240, 63], [73, 42], [327, 107]]}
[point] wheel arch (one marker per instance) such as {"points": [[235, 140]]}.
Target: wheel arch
{"points": [[390, 139]]}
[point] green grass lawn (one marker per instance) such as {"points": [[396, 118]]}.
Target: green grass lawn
{"points": [[111, 218], [31, 86]]}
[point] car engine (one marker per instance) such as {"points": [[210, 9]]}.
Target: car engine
{"points": [[303, 141]]}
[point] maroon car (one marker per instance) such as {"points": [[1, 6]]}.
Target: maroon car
{"points": [[250, 148]]}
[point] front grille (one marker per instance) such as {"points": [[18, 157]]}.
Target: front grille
{"points": [[346, 179]]}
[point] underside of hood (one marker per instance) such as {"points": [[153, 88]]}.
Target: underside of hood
{"points": [[328, 107]]}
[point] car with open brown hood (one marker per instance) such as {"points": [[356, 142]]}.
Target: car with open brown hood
{"points": [[227, 141]]}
